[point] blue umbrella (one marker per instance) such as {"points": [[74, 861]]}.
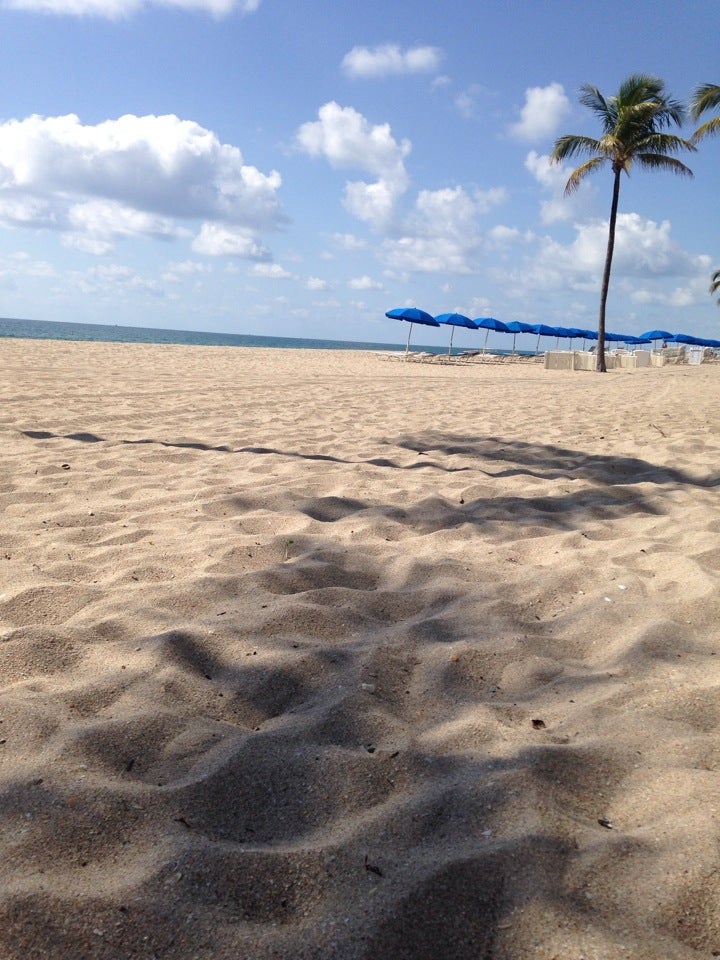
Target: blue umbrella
{"points": [[616, 337], [490, 323], [542, 330], [455, 320], [657, 335], [517, 326], [574, 332], [412, 315], [686, 338], [567, 332]]}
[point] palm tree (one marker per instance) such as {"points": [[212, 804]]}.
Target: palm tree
{"points": [[715, 283], [632, 123], [706, 97]]}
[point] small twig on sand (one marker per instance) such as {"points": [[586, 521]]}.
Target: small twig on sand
{"points": [[662, 433]]}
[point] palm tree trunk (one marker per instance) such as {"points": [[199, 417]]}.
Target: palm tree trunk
{"points": [[601, 368]]}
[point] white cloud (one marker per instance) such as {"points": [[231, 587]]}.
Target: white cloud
{"points": [[114, 280], [553, 177], [466, 101], [544, 108], [486, 200], [216, 239], [644, 251], [134, 176], [440, 235], [316, 283], [348, 241], [643, 248], [364, 283], [116, 9], [345, 138], [382, 61], [271, 271], [186, 268]]}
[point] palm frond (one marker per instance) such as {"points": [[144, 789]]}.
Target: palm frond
{"points": [[579, 174], [667, 143], [603, 109], [573, 145], [657, 161], [706, 96], [708, 129]]}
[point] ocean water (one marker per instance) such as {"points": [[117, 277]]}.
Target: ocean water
{"points": [[52, 330], [107, 333]]}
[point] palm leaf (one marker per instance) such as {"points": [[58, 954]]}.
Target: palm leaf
{"points": [[708, 129], [573, 146], [656, 161], [578, 175], [706, 96]]}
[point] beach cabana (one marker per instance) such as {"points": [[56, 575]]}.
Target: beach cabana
{"points": [[455, 320], [411, 315]]}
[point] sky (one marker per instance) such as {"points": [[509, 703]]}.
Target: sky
{"points": [[296, 169]]}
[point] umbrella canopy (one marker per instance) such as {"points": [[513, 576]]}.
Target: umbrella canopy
{"points": [[637, 340], [576, 332], [567, 332], [687, 338], [616, 337], [517, 326], [412, 315], [455, 320], [490, 323], [542, 330], [657, 335]]}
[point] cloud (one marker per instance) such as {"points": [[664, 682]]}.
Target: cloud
{"points": [[388, 59], [644, 251], [553, 177], [643, 248], [345, 138], [316, 283], [348, 241], [216, 239], [134, 176], [440, 235], [544, 108], [117, 9], [364, 283], [112, 280], [271, 271], [178, 271], [467, 100]]}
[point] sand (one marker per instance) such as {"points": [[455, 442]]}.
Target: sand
{"points": [[311, 654]]}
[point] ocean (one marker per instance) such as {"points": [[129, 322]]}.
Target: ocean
{"points": [[108, 333], [55, 330]]}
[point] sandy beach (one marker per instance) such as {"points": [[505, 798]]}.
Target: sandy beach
{"points": [[314, 655]]}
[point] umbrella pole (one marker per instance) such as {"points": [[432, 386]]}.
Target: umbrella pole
{"points": [[514, 337], [537, 345], [407, 346], [485, 343], [452, 334]]}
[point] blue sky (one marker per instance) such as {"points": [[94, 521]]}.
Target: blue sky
{"points": [[296, 169]]}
